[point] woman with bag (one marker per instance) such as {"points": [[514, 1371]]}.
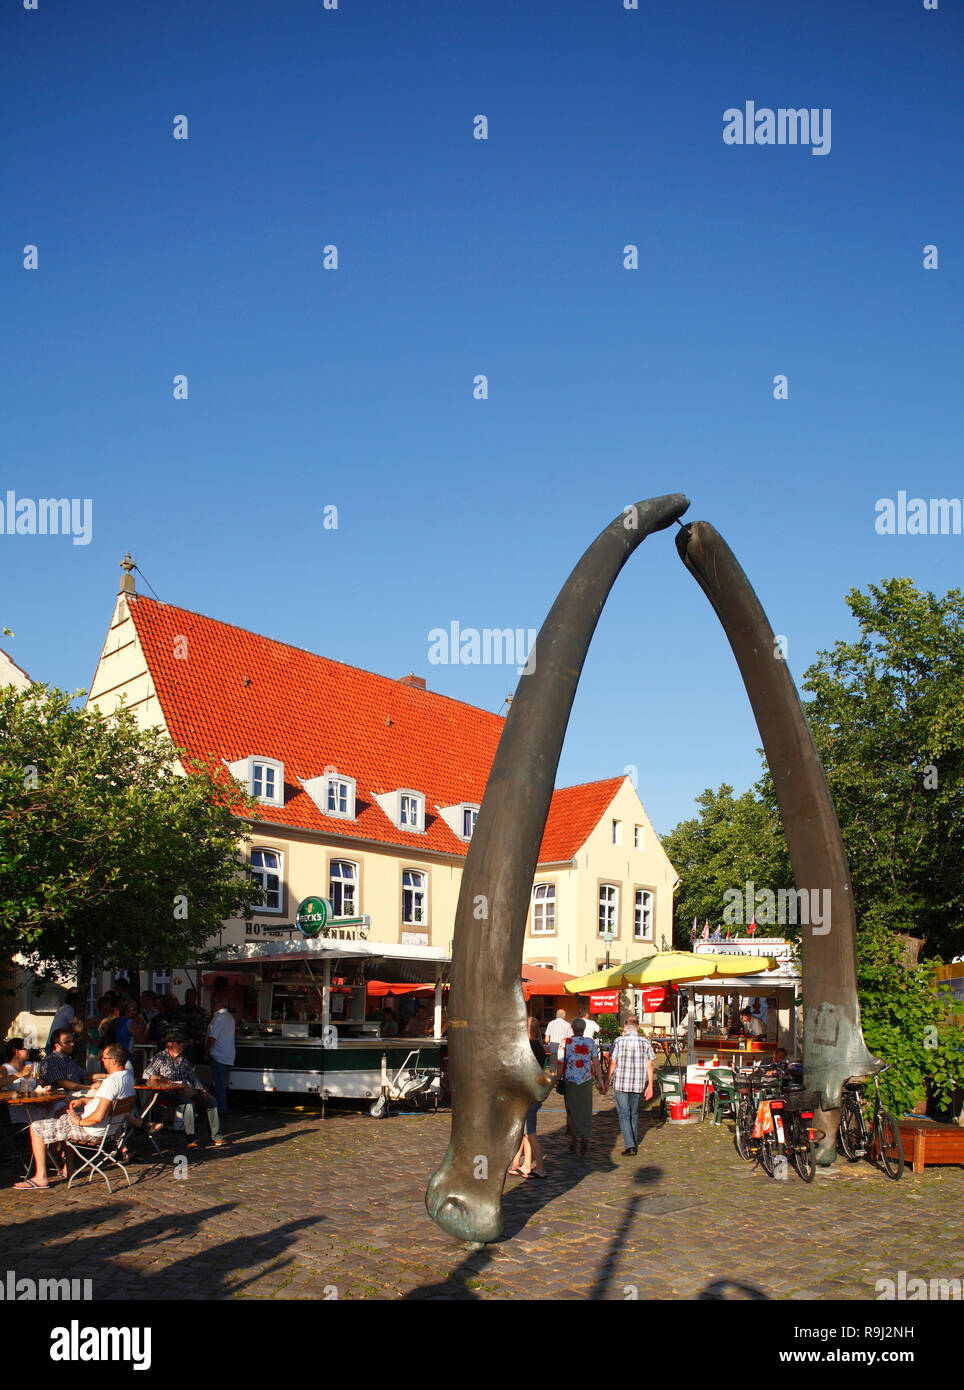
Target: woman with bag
{"points": [[580, 1069]]}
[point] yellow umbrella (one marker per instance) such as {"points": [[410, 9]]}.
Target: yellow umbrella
{"points": [[664, 966]]}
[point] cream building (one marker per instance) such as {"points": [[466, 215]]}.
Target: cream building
{"points": [[369, 788]]}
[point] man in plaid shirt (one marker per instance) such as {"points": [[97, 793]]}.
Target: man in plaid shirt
{"points": [[58, 1067], [630, 1061], [172, 1065]]}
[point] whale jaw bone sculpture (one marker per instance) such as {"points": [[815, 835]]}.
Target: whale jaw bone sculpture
{"points": [[833, 1043], [493, 1074]]}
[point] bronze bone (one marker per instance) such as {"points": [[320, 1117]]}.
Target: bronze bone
{"points": [[494, 1076], [833, 1043]]}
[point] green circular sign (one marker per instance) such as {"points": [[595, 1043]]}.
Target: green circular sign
{"points": [[314, 914]]}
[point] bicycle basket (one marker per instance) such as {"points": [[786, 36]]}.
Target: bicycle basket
{"points": [[801, 1100]]}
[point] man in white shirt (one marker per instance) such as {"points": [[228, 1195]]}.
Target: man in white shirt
{"points": [[85, 1119], [556, 1034], [751, 1024], [592, 1027], [63, 1018], [220, 1050]]}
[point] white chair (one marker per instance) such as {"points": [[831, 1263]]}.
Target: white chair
{"points": [[104, 1148]]}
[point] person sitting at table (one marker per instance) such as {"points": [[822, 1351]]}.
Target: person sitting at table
{"points": [[58, 1067], [15, 1058], [171, 1066], [389, 1028], [420, 1026], [80, 1124]]}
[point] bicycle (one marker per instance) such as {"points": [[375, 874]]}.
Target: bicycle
{"points": [[788, 1135], [750, 1087], [880, 1142]]}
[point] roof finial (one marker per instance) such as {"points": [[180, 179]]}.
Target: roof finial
{"points": [[127, 583]]}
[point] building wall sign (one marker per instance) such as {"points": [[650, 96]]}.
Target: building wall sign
{"points": [[313, 916], [780, 949]]}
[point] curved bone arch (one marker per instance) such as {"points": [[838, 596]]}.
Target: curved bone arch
{"points": [[494, 1076]]}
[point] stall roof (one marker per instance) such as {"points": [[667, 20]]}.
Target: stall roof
{"points": [[411, 960]]}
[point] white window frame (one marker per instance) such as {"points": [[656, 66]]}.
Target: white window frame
{"points": [[617, 832], [422, 887], [640, 907], [261, 873], [336, 786], [415, 824], [467, 811], [272, 765], [638, 837], [352, 880], [541, 903], [608, 907]]}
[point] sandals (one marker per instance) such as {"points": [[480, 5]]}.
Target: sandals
{"points": [[28, 1185]]}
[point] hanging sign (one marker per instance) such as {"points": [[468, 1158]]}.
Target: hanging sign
{"points": [[604, 1001], [654, 997], [314, 914]]}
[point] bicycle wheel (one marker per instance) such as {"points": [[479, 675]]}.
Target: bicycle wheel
{"points": [[766, 1154], [890, 1149], [804, 1154], [851, 1132], [743, 1135]]}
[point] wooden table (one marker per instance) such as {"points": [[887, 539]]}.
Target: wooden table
{"points": [[930, 1142]]}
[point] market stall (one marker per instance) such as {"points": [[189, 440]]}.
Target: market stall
{"points": [[306, 1022]]}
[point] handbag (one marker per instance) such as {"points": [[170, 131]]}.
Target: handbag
{"points": [[561, 1086]]}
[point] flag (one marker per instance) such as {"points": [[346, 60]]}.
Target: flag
{"points": [[693, 932], [717, 935], [706, 930], [752, 927], [727, 933]]}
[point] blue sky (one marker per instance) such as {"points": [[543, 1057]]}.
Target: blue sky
{"points": [[457, 257]]}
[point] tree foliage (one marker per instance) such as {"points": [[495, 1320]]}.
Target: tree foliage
{"points": [[887, 716], [733, 841], [107, 852]]}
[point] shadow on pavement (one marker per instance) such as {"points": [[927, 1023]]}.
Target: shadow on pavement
{"points": [[727, 1290]]}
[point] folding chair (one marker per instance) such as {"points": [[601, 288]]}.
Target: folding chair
{"points": [[106, 1147]]}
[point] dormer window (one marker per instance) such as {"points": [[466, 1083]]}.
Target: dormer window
{"points": [[332, 793], [405, 808], [460, 818], [409, 811], [263, 777]]}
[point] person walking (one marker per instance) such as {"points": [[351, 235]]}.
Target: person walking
{"points": [[631, 1075], [220, 1050], [580, 1068], [528, 1162], [556, 1034]]}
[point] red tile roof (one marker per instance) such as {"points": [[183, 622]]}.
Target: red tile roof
{"points": [[311, 713]]}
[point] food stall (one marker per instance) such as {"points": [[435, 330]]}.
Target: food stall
{"points": [[721, 999], [306, 1023]]}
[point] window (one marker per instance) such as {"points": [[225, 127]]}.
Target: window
{"points": [[470, 815], [161, 981], [617, 832], [543, 909], [408, 811], [607, 908], [413, 897], [643, 919], [342, 882], [638, 839], [338, 796], [267, 781], [266, 870]]}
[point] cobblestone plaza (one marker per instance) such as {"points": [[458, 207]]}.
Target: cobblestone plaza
{"points": [[301, 1206]]}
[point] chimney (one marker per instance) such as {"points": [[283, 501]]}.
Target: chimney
{"points": [[127, 583], [417, 681]]}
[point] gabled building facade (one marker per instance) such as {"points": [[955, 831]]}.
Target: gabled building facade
{"points": [[369, 788]]}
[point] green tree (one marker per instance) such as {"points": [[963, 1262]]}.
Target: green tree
{"points": [[107, 853], [887, 715], [735, 840]]}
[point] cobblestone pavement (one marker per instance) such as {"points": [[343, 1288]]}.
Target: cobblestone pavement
{"points": [[298, 1206]]}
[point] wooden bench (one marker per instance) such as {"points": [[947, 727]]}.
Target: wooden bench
{"points": [[928, 1142]]}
